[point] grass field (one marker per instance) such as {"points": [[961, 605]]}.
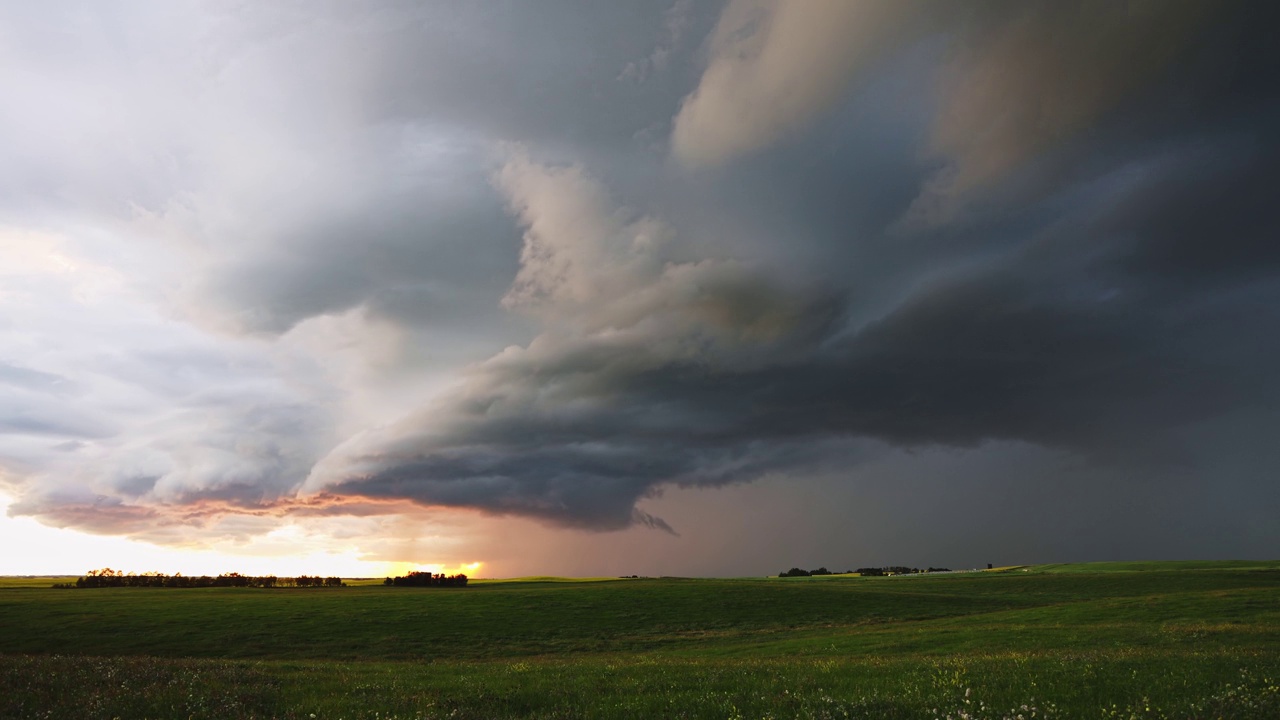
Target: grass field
{"points": [[1145, 640]]}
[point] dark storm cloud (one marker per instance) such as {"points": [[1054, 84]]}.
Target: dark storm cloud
{"points": [[1091, 320], [1204, 221], [981, 359]]}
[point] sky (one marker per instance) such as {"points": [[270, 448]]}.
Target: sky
{"points": [[658, 288]]}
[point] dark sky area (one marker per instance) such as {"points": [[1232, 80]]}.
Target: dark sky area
{"points": [[673, 288]]}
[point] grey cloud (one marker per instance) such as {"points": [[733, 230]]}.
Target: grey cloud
{"points": [[26, 422], [1031, 77], [1035, 98], [773, 68], [615, 310], [1049, 342], [961, 366], [676, 23], [410, 261], [37, 380], [545, 75], [34, 402], [1014, 86], [1203, 219], [406, 223]]}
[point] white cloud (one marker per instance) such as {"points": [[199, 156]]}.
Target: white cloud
{"points": [[106, 398]]}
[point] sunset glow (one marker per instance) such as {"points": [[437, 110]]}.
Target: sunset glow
{"points": [[34, 549]]}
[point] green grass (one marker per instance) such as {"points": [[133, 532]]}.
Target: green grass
{"points": [[1138, 639], [546, 579], [22, 581], [366, 582], [1163, 566]]}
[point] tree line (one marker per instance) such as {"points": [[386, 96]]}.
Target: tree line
{"points": [[426, 579], [107, 577], [865, 571]]}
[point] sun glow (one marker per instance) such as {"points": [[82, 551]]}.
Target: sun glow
{"points": [[30, 548], [396, 569]]}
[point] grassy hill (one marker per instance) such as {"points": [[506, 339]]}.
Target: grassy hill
{"points": [[1156, 639]]}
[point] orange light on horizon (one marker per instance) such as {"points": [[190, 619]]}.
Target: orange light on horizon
{"points": [[401, 568], [285, 552]]}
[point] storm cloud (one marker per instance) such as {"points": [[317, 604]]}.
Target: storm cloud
{"points": [[554, 262]]}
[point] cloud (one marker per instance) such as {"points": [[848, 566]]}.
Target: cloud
{"points": [[1021, 84], [773, 68], [1198, 218], [676, 23], [653, 373], [118, 409], [543, 429], [1011, 87]]}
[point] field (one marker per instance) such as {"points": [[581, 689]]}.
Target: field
{"points": [[1120, 640]]}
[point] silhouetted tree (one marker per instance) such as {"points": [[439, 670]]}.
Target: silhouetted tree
{"points": [[107, 577], [426, 579]]}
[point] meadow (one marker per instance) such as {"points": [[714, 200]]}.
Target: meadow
{"points": [[1116, 640]]}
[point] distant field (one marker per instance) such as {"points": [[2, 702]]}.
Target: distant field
{"points": [[1172, 640], [33, 582]]}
